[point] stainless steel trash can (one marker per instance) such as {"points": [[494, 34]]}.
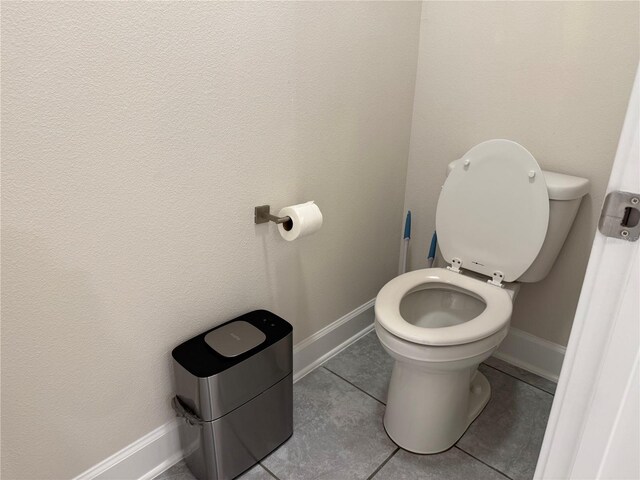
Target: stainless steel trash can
{"points": [[234, 389]]}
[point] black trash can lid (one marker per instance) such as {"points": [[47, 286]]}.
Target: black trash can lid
{"points": [[202, 359]]}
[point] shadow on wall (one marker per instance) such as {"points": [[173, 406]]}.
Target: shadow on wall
{"points": [[551, 316], [286, 285], [38, 291]]}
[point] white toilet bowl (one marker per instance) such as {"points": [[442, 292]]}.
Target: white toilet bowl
{"points": [[499, 215], [439, 326]]}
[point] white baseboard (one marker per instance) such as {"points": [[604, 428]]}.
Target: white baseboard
{"points": [[143, 459], [324, 344], [160, 449], [532, 353]]}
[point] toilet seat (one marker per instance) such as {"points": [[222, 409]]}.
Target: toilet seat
{"points": [[497, 312], [493, 211]]}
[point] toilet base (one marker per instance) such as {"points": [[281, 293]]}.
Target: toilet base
{"points": [[480, 393], [429, 412]]}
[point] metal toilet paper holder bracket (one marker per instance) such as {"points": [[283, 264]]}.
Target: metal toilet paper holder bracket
{"points": [[262, 214]]}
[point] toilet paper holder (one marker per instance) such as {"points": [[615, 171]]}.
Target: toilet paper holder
{"points": [[262, 214]]}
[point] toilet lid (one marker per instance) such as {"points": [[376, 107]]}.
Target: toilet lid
{"points": [[493, 210]]}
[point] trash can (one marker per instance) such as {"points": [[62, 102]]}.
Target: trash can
{"points": [[234, 389]]}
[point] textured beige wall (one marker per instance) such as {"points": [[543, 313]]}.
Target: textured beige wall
{"points": [[553, 76], [136, 140]]}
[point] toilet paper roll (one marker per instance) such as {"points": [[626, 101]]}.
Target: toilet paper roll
{"points": [[306, 219]]}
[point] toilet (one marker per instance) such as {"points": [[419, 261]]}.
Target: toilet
{"points": [[500, 219]]}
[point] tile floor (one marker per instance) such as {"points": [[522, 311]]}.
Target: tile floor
{"points": [[338, 433]]}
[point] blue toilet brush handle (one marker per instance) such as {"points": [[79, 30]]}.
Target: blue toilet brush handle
{"points": [[405, 246], [407, 226], [432, 250]]}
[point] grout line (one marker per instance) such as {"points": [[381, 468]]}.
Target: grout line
{"points": [[342, 378], [519, 379], [383, 464], [484, 463], [268, 471]]}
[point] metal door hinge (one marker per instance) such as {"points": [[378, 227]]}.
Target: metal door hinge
{"points": [[620, 216]]}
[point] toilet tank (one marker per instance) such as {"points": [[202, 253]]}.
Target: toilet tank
{"points": [[565, 195]]}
